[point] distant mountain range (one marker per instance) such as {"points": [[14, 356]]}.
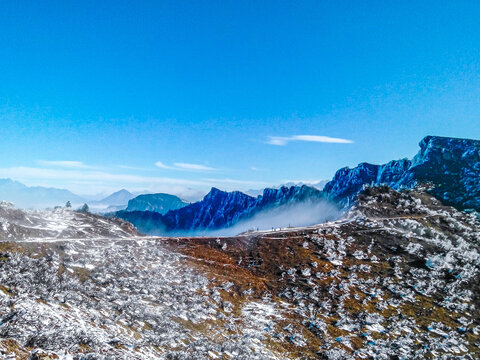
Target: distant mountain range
{"points": [[449, 167], [120, 197], [39, 197], [114, 202], [36, 196]]}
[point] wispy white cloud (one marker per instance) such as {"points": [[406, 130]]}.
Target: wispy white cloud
{"points": [[185, 166], [194, 167], [22, 172], [138, 168], [162, 165], [254, 168], [306, 182], [284, 140], [65, 164], [228, 181]]}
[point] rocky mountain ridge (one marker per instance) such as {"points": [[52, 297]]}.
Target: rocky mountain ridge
{"points": [[218, 209], [450, 165]]}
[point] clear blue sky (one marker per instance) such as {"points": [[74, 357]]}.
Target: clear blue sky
{"points": [[94, 93]]}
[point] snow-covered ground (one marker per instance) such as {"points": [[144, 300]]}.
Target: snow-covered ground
{"points": [[127, 299], [58, 223], [399, 278]]}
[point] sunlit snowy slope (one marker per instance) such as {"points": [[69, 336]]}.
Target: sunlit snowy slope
{"points": [[59, 223]]}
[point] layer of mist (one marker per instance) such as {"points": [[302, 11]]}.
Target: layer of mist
{"points": [[289, 215]]}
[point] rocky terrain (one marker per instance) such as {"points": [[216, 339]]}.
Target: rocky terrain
{"points": [[16, 224], [398, 278]]}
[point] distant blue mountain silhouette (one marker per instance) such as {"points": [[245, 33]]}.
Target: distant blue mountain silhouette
{"points": [[36, 196]]}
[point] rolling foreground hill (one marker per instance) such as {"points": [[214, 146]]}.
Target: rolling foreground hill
{"points": [[59, 223], [398, 278]]}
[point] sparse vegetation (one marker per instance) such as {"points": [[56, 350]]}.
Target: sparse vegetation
{"points": [[398, 277]]}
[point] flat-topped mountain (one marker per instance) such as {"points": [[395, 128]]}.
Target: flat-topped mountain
{"points": [[160, 203]]}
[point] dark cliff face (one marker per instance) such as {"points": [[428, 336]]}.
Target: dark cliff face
{"points": [[451, 166], [217, 209], [287, 194], [348, 182], [221, 209]]}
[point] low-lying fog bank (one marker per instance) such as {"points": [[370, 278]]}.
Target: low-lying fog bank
{"points": [[289, 215]]}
